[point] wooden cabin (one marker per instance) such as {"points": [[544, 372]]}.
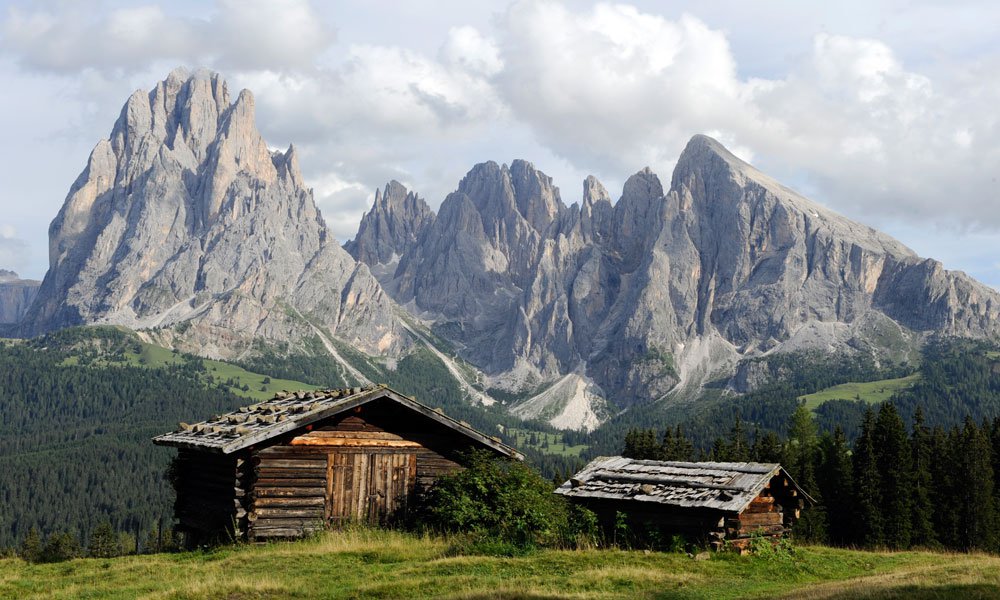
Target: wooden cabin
{"points": [[710, 501], [308, 460]]}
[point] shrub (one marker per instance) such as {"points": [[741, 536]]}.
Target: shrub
{"points": [[31, 547], [60, 547], [505, 500]]}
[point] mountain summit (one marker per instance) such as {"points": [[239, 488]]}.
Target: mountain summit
{"points": [[183, 214]]}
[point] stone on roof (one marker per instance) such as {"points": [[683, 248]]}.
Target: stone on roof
{"points": [[728, 487], [288, 411]]}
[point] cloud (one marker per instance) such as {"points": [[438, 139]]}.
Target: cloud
{"points": [[614, 87], [14, 252], [244, 34], [611, 88]]}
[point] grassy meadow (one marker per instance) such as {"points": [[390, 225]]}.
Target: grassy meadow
{"points": [[386, 564], [547, 442], [872, 392]]}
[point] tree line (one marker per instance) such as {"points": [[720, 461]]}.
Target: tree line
{"points": [[894, 487]]}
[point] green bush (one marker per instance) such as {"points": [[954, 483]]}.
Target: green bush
{"points": [[500, 504], [60, 547]]}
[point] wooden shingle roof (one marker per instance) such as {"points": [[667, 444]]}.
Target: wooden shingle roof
{"points": [[728, 487], [289, 411]]}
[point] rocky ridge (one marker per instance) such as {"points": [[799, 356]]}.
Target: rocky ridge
{"points": [[665, 289]]}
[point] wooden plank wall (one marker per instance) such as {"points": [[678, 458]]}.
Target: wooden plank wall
{"points": [[369, 462]]}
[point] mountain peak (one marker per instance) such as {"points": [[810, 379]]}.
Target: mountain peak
{"points": [[396, 221]]}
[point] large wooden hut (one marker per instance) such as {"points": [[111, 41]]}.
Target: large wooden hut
{"points": [[714, 501], [307, 460]]}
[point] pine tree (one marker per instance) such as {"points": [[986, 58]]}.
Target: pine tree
{"points": [[975, 470], [60, 546], [738, 449], [922, 453], [683, 447], [947, 485], [836, 484], [766, 448], [801, 450], [103, 541], [867, 486], [31, 547], [640, 444], [801, 457], [893, 457]]}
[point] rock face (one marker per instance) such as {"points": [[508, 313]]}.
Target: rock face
{"points": [[665, 289], [16, 295], [397, 220], [184, 215]]}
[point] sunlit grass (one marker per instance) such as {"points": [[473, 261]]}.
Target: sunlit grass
{"points": [[371, 563], [872, 392]]}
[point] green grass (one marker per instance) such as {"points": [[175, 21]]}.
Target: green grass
{"points": [[155, 357], [385, 564], [521, 438], [872, 392]]}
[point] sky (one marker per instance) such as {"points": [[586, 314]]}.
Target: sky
{"points": [[883, 111]]}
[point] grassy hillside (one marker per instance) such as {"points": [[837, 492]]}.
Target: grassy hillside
{"points": [[871, 392], [384, 564]]}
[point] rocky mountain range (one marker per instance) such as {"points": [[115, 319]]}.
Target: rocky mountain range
{"points": [[16, 295], [664, 289], [184, 225]]}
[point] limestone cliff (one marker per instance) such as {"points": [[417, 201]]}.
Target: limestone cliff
{"points": [[183, 214]]}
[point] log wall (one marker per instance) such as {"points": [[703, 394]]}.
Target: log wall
{"points": [[364, 465]]}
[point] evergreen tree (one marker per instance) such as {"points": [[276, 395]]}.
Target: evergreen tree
{"points": [[947, 485], [640, 444], [835, 479], [767, 448], [31, 547], [922, 452], [103, 541], [867, 486], [801, 457], [893, 457], [802, 449], [975, 469], [60, 546], [683, 447], [738, 448]]}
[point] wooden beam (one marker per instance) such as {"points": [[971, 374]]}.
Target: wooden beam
{"points": [[354, 443]]}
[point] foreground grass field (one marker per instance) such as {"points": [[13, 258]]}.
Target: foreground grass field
{"points": [[381, 564]]}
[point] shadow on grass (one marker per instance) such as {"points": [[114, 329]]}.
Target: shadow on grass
{"points": [[918, 592]]}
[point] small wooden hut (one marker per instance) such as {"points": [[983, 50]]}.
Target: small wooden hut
{"points": [[716, 502], [308, 460]]}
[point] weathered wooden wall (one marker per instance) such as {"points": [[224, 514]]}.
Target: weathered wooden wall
{"points": [[365, 465]]}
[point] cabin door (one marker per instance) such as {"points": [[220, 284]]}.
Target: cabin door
{"points": [[367, 486]]}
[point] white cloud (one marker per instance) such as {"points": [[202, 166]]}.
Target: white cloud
{"points": [[614, 87], [254, 34], [13, 250]]}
